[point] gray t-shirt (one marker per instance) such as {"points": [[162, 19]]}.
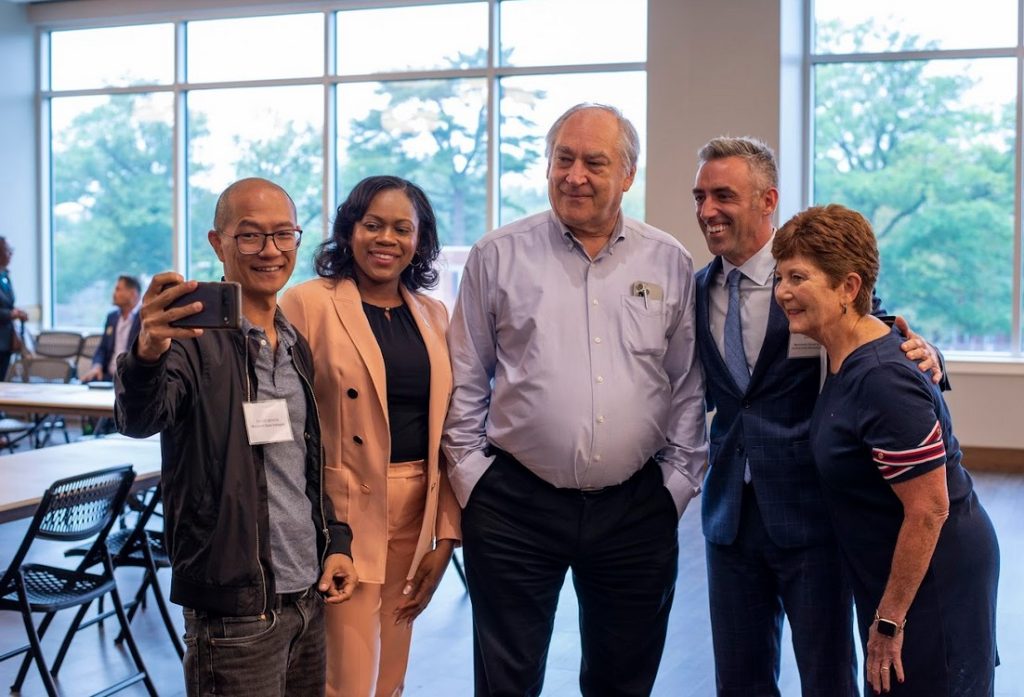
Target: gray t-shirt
{"points": [[292, 532]]}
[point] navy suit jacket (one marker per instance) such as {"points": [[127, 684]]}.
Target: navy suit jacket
{"points": [[769, 427], [104, 352], [6, 323]]}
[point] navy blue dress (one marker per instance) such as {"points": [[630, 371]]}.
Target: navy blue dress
{"points": [[878, 422]]}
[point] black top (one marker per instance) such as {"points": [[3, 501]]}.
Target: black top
{"points": [[407, 367]]}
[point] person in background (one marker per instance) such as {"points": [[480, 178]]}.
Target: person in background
{"points": [[10, 341], [769, 543], [918, 548], [575, 436], [121, 329], [383, 380], [254, 544]]}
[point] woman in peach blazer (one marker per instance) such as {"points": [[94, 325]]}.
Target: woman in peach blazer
{"points": [[383, 380]]}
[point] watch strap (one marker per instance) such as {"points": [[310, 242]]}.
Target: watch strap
{"points": [[889, 628]]}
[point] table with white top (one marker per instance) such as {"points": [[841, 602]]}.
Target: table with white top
{"points": [[56, 398], [26, 475]]}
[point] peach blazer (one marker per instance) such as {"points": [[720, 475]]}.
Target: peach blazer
{"points": [[351, 391]]}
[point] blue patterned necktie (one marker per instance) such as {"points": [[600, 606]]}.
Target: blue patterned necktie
{"points": [[735, 357]]}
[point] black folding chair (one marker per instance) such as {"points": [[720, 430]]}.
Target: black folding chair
{"points": [[139, 547], [72, 509]]}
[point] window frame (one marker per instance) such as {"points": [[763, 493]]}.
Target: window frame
{"points": [[982, 361], [329, 80]]}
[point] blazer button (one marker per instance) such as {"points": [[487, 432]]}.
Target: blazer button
{"points": [[746, 405], [352, 393], [365, 488], [358, 440]]}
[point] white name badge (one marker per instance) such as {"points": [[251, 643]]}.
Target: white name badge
{"points": [[801, 346], [267, 421]]}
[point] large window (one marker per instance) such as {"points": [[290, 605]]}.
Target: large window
{"points": [[139, 149], [915, 124]]}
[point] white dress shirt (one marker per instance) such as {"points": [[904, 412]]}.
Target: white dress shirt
{"points": [[757, 285]]}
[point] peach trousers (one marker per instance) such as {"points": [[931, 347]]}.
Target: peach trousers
{"points": [[367, 653]]}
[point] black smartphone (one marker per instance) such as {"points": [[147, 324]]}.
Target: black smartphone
{"points": [[222, 306]]}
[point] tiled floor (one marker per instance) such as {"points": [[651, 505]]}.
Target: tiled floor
{"points": [[441, 664]]}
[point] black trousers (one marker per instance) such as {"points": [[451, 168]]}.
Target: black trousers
{"points": [[520, 535]]}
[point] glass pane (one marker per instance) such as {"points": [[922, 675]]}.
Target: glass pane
{"points": [[256, 48], [528, 107], [868, 26], [925, 150], [432, 132], [541, 32], [457, 33], [112, 57], [111, 198], [280, 138]]}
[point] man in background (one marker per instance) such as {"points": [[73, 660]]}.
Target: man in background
{"points": [[119, 332]]}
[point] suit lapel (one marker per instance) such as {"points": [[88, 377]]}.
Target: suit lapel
{"points": [[7, 291], [348, 305], [776, 336], [711, 346]]}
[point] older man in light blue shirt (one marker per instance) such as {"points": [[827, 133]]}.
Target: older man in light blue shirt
{"points": [[575, 435]]}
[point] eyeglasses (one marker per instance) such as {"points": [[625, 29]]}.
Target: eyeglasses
{"points": [[254, 242]]}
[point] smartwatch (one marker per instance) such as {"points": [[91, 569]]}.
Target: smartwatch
{"points": [[888, 627]]}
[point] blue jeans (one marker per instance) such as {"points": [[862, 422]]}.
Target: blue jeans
{"points": [[279, 654]]}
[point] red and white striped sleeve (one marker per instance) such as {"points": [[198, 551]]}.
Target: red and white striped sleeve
{"points": [[893, 463]]}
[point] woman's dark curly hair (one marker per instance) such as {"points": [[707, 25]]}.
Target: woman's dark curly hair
{"points": [[334, 256]]}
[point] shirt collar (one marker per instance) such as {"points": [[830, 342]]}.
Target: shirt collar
{"points": [[618, 232], [759, 268], [285, 332]]}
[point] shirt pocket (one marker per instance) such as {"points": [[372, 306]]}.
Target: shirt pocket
{"points": [[643, 325]]}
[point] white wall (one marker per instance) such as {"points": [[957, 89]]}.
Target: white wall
{"points": [[713, 69], [18, 164]]}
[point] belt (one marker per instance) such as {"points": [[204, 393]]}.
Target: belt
{"points": [[285, 599]]}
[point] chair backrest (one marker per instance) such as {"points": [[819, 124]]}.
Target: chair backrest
{"points": [[38, 369], [89, 345], [55, 344], [76, 508]]}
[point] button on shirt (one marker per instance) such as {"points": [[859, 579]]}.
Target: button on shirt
{"points": [[557, 362]]}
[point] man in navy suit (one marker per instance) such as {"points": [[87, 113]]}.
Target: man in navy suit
{"points": [[120, 330], [769, 542]]}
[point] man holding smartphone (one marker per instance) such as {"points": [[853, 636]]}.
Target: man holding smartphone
{"points": [[255, 549]]}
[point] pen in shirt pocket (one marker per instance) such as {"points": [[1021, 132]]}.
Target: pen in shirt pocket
{"points": [[648, 291]]}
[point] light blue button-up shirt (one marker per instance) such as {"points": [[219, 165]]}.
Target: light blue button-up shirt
{"points": [[557, 361]]}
